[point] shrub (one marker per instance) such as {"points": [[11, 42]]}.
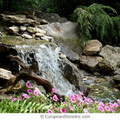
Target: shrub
{"points": [[98, 22]]}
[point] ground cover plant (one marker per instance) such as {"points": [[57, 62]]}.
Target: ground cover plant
{"points": [[32, 101]]}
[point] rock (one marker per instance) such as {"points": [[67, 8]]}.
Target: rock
{"points": [[99, 80], [26, 36], [47, 38], [65, 33], [19, 19], [23, 28], [117, 71], [111, 57], [42, 21], [92, 47], [63, 56], [13, 29], [6, 78], [70, 54], [90, 62], [108, 50], [117, 78], [50, 17], [32, 30], [41, 31], [72, 73], [67, 30], [39, 35], [0, 34], [6, 74]]}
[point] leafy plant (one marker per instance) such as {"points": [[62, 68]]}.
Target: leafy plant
{"points": [[33, 102], [98, 21]]}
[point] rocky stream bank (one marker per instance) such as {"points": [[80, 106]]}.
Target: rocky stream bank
{"points": [[54, 53]]}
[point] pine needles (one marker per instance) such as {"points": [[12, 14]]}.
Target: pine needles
{"points": [[98, 22]]}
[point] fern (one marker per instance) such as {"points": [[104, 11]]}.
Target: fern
{"points": [[96, 21]]}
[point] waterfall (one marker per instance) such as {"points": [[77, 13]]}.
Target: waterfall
{"points": [[49, 65]]}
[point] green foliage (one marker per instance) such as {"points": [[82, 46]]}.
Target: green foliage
{"points": [[97, 21], [31, 105], [72, 104]]}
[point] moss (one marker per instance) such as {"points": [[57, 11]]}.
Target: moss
{"points": [[75, 44]]}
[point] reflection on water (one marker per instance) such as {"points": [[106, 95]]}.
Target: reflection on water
{"points": [[103, 90]]}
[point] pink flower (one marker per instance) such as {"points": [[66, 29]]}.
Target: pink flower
{"points": [[81, 101], [118, 101], [101, 104], [50, 111], [71, 108], [113, 105], [107, 108], [76, 96], [14, 99], [63, 110], [85, 111], [73, 100], [101, 109], [25, 95], [65, 103], [55, 98], [20, 98], [35, 93], [81, 93], [10, 97], [89, 100], [28, 85], [29, 91], [54, 90]]}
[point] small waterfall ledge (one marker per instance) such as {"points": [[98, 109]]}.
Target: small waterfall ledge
{"points": [[50, 65]]}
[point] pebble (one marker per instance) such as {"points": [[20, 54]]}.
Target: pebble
{"points": [[63, 56]]}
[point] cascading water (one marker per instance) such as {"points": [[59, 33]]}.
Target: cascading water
{"points": [[49, 65]]}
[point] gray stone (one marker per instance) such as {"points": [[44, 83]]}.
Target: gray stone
{"points": [[111, 57], [32, 30], [47, 38], [67, 30], [63, 56], [90, 62], [92, 47], [39, 34], [6, 74], [50, 17], [23, 28], [70, 54], [26, 36], [19, 19], [72, 73], [13, 29], [66, 33]]}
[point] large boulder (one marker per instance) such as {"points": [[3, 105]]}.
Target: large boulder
{"points": [[66, 33], [70, 54], [90, 63], [92, 47], [111, 57], [6, 77], [72, 73], [50, 17], [67, 30]]}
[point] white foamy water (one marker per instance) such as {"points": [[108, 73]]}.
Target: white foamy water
{"points": [[49, 65]]}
